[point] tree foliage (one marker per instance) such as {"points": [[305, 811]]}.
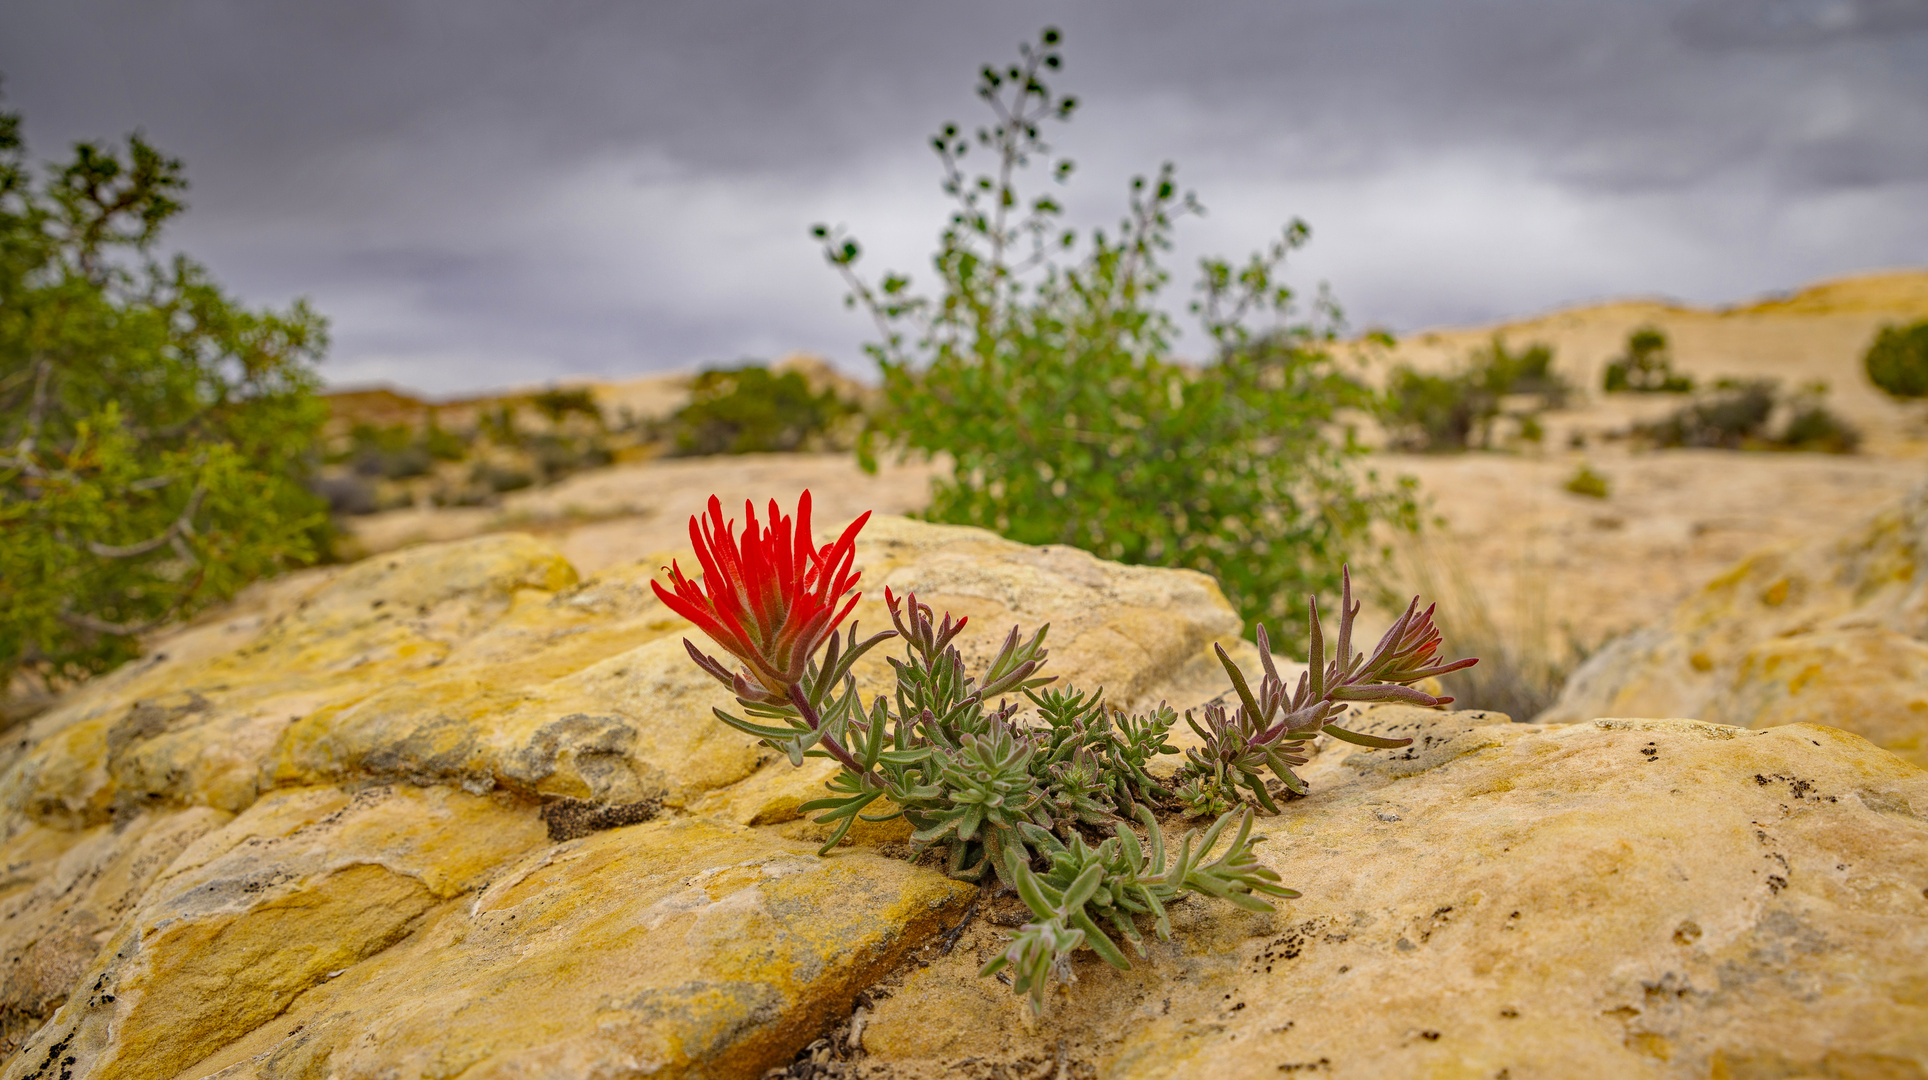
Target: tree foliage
{"points": [[1043, 368], [1897, 362], [753, 410], [153, 433], [1458, 410], [1646, 367]]}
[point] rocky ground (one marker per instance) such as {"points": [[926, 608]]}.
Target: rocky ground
{"points": [[461, 811]]}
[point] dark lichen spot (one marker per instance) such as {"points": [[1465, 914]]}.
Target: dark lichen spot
{"points": [[571, 818]]}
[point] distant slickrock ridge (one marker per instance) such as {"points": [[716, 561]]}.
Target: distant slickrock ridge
{"points": [[455, 811], [387, 449]]}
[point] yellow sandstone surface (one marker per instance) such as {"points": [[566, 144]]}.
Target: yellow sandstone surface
{"points": [[1626, 898], [453, 812], [1833, 632], [313, 834]]}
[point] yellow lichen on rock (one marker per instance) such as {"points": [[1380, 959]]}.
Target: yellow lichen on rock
{"points": [[1833, 633]]}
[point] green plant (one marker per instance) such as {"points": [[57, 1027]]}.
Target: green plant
{"points": [[391, 452], [557, 404], [1737, 411], [751, 410], [1646, 366], [1811, 425], [441, 443], [1738, 414], [1897, 361], [1042, 369], [1007, 792], [1457, 410], [155, 435], [1585, 481]]}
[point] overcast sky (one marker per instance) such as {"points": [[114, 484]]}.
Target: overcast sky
{"points": [[485, 193]]}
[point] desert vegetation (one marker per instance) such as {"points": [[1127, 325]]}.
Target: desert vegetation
{"points": [[1897, 362], [156, 436], [1043, 368], [1492, 400], [383, 450]]}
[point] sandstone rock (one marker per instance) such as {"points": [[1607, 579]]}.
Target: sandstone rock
{"points": [[1833, 633], [1614, 898], [269, 845], [681, 948], [452, 812]]}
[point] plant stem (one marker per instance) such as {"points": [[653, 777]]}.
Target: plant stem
{"points": [[809, 711]]}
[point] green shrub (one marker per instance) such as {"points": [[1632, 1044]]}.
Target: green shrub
{"points": [[1897, 362], [1646, 366], [556, 404], [1735, 413], [1048, 379], [1739, 415], [1458, 410], [497, 479], [1812, 426], [392, 452], [155, 436], [753, 410], [1529, 371], [1586, 482], [441, 443], [558, 455], [1435, 412]]}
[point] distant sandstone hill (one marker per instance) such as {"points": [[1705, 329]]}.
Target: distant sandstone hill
{"points": [[1816, 334], [646, 397], [1807, 334]]}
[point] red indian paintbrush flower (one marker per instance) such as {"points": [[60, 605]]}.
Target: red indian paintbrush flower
{"points": [[771, 599]]}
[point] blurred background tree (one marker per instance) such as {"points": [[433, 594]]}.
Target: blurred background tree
{"points": [[1897, 362], [1047, 377], [750, 409], [154, 434]]}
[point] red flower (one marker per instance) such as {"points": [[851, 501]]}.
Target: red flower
{"points": [[771, 599]]}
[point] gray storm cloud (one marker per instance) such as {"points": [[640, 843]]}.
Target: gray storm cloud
{"points": [[486, 193]]}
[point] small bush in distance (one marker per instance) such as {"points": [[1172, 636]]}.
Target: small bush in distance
{"points": [[1646, 367], [155, 435], [1811, 425], [1023, 794], [753, 410], [1458, 410], [558, 404], [1897, 361], [1043, 368], [1585, 481], [1739, 413]]}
